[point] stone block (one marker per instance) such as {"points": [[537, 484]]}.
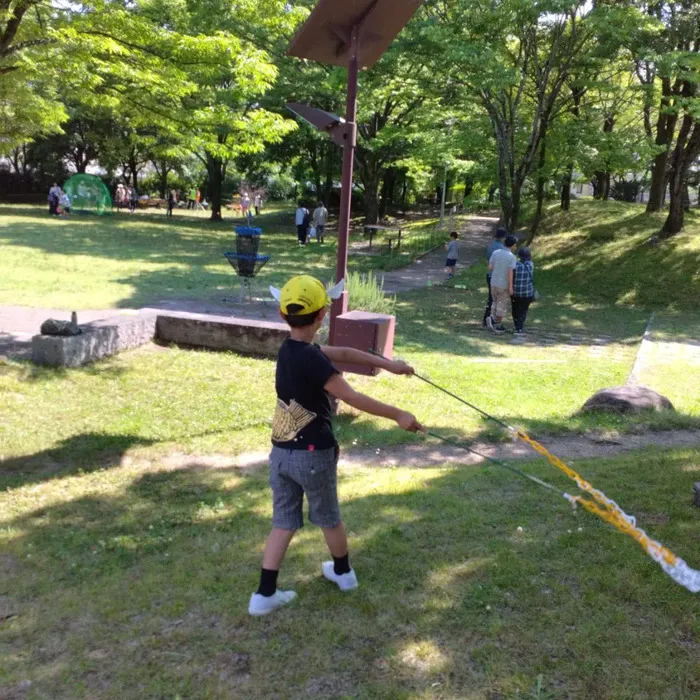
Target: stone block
{"points": [[627, 399], [240, 335], [98, 339]]}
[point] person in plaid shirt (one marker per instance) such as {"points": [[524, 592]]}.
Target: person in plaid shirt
{"points": [[523, 288]]}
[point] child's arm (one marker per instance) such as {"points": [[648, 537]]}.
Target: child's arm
{"points": [[351, 356], [510, 282], [338, 387]]}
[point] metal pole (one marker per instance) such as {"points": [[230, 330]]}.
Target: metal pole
{"points": [[340, 306], [442, 203]]}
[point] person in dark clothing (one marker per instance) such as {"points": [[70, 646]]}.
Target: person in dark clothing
{"points": [[496, 244], [171, 203], [523, 289]]}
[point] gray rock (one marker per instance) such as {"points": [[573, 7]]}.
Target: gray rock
{"points": [[627, 399], [53, 326]]}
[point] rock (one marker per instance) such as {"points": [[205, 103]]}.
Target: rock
{"points": [[53, 326], [627, 399]]}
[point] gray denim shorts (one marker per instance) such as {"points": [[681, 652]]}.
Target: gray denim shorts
{"points": [[294, 473]]}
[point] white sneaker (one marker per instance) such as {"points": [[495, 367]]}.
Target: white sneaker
{"points": [[262, 605], [346, 582]]}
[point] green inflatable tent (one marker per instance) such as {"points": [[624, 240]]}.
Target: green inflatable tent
{"points": [[88, 194]]}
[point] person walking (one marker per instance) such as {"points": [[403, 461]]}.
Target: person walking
{"points": [[133, 199], [320, 217], [502, 266], [54, 198], [258, 204], [523, 289], [301, 218], [452, 255], [496, 244], [171, 203]]}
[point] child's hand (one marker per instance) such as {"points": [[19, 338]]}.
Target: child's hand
{"points": [[407, 421], [400, 367]]}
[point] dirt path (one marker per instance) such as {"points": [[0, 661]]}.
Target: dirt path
{"points": [[430, 269], [430, 453]]}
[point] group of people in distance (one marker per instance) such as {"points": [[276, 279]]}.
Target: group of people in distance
{"points": [[311, 225], [509, 278], [59, 201]]}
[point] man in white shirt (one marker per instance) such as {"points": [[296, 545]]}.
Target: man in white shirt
{"points": [[502, 266], [320, 218], [302, 219]]}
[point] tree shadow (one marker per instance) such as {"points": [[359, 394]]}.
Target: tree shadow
{"points": [[452, 594], [85, 452]]}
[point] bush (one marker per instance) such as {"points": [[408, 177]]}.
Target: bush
{"points": [[366, 293]]}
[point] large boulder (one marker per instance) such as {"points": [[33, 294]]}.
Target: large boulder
{"points": [[627, 399]]}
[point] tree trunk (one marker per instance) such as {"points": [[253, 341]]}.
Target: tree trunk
{"points": [[565, 200], [601, 185], [665, 129], [387, 196], [468, 186], [371, 201], [659, 180], [369, 171], [686, 151], [404, 190], [541, 181], [215, 172]]}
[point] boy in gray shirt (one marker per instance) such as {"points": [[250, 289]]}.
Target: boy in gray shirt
{"points": [[502, 266], [452, 255]]}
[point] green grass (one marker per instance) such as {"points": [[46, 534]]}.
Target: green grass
{"points": [[133, 581], [129, 544], [599, 251], [130, 261]]}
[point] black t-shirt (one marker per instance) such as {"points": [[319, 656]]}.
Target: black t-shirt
{"points": [[303, 413]]}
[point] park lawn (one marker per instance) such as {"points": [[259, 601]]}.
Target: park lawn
{"points": [[155, 399], [132, 581], [122, 260]]}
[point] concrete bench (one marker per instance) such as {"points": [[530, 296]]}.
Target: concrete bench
{"points": [[99, 339], [221, 333]]}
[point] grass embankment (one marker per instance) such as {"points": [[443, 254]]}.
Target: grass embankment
{"points": [[122, 260]]}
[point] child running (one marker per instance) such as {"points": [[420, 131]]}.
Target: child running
{"points": [[452, 255], [304, 455]]}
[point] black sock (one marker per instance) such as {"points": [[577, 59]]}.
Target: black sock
{"points": [[268, 582], [341, 565]]}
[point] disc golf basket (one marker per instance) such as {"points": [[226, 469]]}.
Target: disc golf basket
{"points": [[246, 261]]}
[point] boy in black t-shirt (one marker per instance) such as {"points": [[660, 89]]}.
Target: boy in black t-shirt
{"points": [[304, 455]]}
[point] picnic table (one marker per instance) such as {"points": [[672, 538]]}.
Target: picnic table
{"points": [[373, 228]]}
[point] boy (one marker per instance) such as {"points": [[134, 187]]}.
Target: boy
{"points": [[496, 244], [319, 219], [304, 455], [452, 255], [501, 266]]}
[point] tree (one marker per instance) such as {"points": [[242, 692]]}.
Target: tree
{"points": [[516, 58]]}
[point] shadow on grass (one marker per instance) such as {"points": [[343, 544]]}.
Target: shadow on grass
{"points": [[79, 453], [149, 587]]}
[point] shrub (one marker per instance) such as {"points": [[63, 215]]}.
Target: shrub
{"points": [[366, 293]]}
